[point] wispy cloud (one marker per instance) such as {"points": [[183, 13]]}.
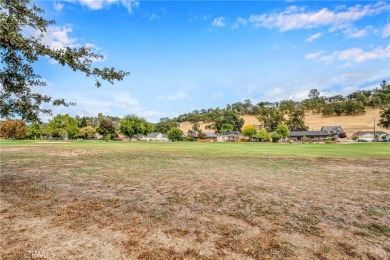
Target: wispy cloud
{"points": [[58, 6], [313, 37], [357, 55], [294, 17], [313, 55], [180, 95], [219, 22], [386, 31], [130, 5], [238, 23], [354, 33]]}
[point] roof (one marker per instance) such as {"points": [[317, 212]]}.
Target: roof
{"points": [[330, 128], [232, 133], [154, 134], [308, 133], [361, 133], [210, 135]]}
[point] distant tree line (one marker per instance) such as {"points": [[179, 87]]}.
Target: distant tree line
{"points": [[272, 117]]}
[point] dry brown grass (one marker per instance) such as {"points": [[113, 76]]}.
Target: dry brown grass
{"points": [[351, 124], [129, 204]]}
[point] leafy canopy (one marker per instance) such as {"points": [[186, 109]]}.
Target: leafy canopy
{"points": [[175, 134], [385, 118], [15, 129], [18, 52], [132, 125], [63, 126], [249, 131]]}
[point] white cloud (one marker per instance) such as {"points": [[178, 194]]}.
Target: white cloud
{"points": [[313, 37], [357, 55], [386, 31], [180, 95], [298, 18], [313, 55], [219, 22], [356, 33], [57, 37], [239, 22], [100, 4], [58, 6]]}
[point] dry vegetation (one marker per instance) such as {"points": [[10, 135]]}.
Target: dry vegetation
{"points": [[124, 203], [351, 124]]}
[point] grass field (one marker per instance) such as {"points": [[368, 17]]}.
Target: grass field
{"points": [[116, 200]]}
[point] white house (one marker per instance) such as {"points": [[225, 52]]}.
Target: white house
{"points": [[155, 136], [369, 136]]}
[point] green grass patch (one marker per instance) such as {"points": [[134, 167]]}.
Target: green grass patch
{"points": [[352, 150]]}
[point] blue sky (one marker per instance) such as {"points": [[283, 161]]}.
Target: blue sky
{"points": [[187, 55]]}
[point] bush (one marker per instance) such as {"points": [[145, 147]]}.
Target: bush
{"points": [[276, 137], [175, 134], [342, 135], [108, 137]]}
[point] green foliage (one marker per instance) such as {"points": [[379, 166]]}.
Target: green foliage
{"points": [[18, 52], [271, 118], [226, 127], [132, 125], [165, 125], [283, 131], [263, 136], [287, 106], [87, 132], [108, 137], [106, 126], [196, 126], [231, 117], [348, 107], [276, 137], [249, 131], [175, 134], [83, 122], [13, 129], [35, 131], [385, 118], [296, 121], [63, 126]]}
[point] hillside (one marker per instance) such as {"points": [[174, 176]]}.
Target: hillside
{"points": [[351, 124]]}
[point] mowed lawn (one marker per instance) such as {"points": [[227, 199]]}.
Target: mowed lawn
{"points": [[117, 200]]}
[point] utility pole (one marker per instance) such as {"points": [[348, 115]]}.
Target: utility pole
{"points": [[374, 132]]}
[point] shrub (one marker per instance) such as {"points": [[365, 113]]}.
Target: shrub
{"points": [[13, 129], [276, 137], [175, 134], [342, 135]]}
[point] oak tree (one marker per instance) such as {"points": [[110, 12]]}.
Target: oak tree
{"points": [[18, 53]]}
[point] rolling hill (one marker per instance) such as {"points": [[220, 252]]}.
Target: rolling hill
{"points": [[351, 124]]}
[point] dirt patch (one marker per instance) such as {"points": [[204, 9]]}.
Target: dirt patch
{"points": [[160, 205]]}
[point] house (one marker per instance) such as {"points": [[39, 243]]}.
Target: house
{"points": [[232, 136], [193, 134], [207, 137], [369, 136], [310, 135], [155, 136], [387, 138], [220, 138], [210, 136], [334, 131]]}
